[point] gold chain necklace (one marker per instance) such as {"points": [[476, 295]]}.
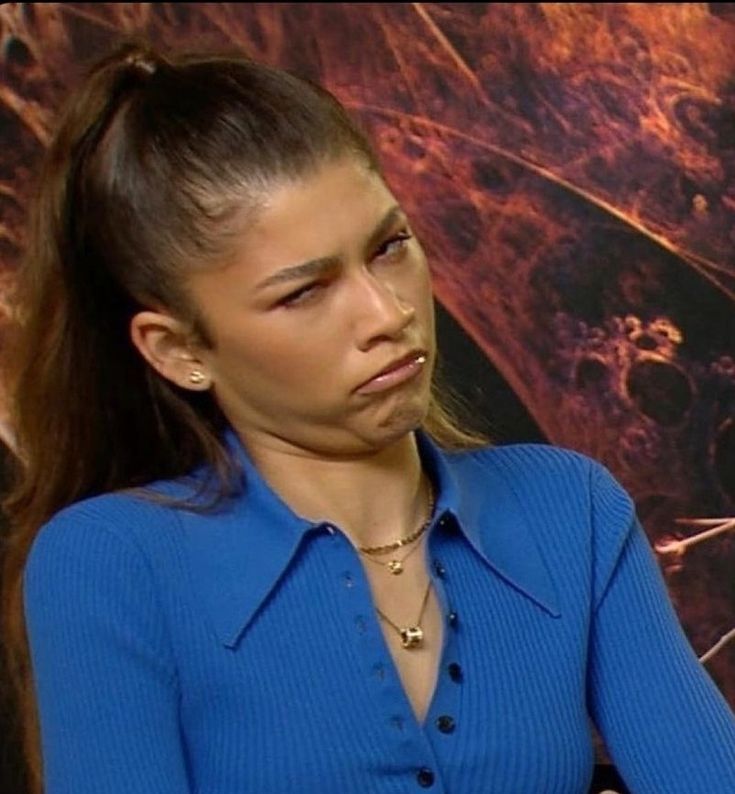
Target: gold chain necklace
{"points": [[396, 566], [411, 636]]}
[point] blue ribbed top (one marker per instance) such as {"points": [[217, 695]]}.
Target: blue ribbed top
{"points": [[239, 652]]}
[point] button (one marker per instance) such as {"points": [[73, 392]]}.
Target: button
{"points": [[347, 579], [455, 672], [449, 523], [425, 777], [361, 623], [452, 618], [330, 529], [439, 568], [397, 722], [445, 723]]}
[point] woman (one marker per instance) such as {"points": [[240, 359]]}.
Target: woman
{"points": [[267, 559]]}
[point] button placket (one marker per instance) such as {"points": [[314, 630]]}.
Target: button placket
{"points": [[442, 714], [354, 585], [411, 740], [357, 596]]}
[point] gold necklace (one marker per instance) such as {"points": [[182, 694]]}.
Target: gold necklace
{"points": [[396, 566], [411, 636]]}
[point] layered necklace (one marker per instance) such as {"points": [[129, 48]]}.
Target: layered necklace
{"points": [[412, 636]]}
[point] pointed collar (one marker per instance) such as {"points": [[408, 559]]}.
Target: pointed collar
{"points": [[477, 493], [239, 551]]}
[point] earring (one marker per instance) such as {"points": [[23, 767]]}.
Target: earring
{"points": [[196, 376]]}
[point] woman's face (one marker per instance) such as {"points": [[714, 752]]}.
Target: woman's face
{"points": [[328, 289]]}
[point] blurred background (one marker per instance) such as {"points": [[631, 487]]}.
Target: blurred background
{"points": [[570, 170]]}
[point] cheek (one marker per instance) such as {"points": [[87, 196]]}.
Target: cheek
{"points": [[283, 357], [259, 353]]}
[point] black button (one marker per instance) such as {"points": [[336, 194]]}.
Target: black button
{"points": [[425, 777], [455, 672], [439, 568], [445, 723], [452, 618]]}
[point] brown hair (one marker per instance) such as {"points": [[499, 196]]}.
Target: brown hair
{"points": [[152, 163]]}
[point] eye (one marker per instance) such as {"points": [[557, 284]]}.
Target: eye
{"points": [[395, 244], [301, 295]]}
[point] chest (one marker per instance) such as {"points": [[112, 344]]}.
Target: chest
{"points": [[409, 602], [320, 685]]}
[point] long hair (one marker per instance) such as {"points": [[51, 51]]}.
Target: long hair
{"points": [[153, 167]]}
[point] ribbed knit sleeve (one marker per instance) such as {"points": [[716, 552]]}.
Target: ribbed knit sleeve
{"points": [[665, 723], [102, 666]]}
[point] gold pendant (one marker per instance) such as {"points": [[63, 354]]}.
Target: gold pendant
{"points": [[395, 566], [412, 636]]}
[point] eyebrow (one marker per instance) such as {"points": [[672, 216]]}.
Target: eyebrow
{"points": [[315, 266]]}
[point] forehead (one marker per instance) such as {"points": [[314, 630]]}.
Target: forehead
{"points": [[323, 211]]}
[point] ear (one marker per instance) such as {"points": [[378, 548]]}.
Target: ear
{"points": [[165, 343]]}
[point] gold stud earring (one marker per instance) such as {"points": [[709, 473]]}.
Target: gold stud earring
{"points": [[196, 376]]}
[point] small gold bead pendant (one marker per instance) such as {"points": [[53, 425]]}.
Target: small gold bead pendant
{"points": [[412, 636], [395, 566]]}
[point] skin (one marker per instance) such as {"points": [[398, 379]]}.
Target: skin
{"points": [[290, 349]]}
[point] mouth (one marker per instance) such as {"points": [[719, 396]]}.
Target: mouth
{"points": [[398, 371]]}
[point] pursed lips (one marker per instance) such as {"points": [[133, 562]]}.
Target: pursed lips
{"points": [[414, 357]]}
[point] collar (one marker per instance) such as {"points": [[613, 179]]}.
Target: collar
{"points": [[240, 550]]}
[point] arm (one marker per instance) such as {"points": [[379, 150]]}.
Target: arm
{"points": [[103, 670], [665, 723]]}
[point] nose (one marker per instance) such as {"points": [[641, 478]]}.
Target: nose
{"points": [[380, 312]]}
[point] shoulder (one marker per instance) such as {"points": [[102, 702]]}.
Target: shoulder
{"points": [[564, 476], [103, 530], [529, 455], [530, 466], [578, 515], [98, 583], [549, 482]]}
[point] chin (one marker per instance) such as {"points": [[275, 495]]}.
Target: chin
{"points": [[400, 421]]}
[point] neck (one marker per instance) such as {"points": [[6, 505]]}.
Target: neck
{"points": [[375, 498]]}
